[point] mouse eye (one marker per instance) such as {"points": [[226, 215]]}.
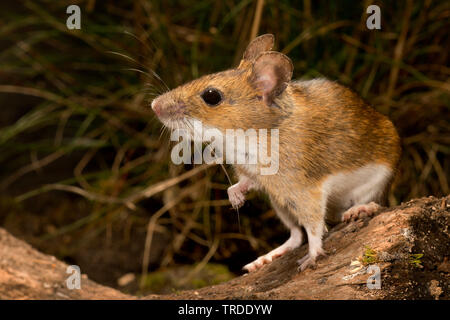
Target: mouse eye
{"points": [[211, 96]]}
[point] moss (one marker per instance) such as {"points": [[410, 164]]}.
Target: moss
{"points": [[415, 259], [156, 281], [369, 256], [168, 280], [198, 283]]}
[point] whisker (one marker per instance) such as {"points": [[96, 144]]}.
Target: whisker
{"points": [[140, 65], [126, 57], [229, 180], [159, 78], [138, 39], [149, 91], [160, 90], [163, 128]]}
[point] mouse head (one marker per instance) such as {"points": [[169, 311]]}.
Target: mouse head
{"points": [[249, 96]]}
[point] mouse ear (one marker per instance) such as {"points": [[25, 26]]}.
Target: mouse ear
{"points": [[271, 73], [256, 47]]}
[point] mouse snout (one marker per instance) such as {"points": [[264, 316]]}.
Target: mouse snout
{"points": [[167, 110], [156, 106]]}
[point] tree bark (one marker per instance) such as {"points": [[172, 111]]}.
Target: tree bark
{"points": [[409, 245]]}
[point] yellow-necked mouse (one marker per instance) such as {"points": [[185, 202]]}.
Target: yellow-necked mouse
{"points": [[337, 155]]}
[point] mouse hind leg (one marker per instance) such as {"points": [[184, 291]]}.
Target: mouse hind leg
{"points": [[367, 190], [350, 194], [294, 241]]}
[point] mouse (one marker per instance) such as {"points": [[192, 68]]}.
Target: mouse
{"points": [[337, 155]]}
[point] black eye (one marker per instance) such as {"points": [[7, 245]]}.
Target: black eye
{"points": [[212, 96]]}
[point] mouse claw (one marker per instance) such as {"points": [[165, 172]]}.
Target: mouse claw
{"points": [[309, 261]]}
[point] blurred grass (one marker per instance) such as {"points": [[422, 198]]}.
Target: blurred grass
{"points": [[91, 89]]}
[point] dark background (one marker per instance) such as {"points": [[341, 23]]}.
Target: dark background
{"points": [[79, 142]]}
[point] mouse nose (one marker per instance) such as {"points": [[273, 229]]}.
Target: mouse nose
{"points": [[156, 106], [167, 109]]}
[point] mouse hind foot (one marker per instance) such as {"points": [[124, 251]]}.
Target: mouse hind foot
{"points": [[360, 211]]}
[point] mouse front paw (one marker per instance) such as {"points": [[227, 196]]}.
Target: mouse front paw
{"points": [[267, 258], [236, 197]]}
